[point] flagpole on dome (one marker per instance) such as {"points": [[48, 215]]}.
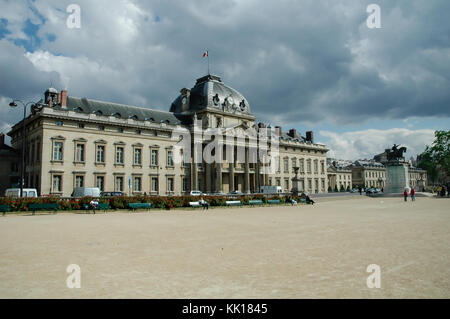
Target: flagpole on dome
{"points": [[206, 55]]}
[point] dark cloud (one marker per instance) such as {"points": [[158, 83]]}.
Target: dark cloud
{"points": [[295, 61]]}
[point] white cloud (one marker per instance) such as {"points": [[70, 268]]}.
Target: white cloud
{"points": [[367, 143]]}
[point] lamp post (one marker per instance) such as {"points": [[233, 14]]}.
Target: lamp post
{"points": [[22, 171]]}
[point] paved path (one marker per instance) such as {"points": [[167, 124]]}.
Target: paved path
{"points": [[319, 251]]}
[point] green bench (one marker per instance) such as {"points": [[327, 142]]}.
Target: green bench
{"points": [[135, 206], [273, 201], [100, 206], [233, 203], [48, 207], [303, 200], [255, 202], [5, 208]]}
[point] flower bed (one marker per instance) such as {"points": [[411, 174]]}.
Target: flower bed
{"points": [[121, 202]]}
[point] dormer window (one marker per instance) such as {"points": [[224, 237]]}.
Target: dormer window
{"points": [[98, 113], [134, 117], [117, 115], [78, 109], [151, 119]]}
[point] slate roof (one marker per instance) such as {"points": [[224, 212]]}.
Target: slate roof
{"points": [[84, 105]]}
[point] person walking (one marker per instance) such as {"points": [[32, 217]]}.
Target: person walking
{"points": [[413, 194], [405, 195]]}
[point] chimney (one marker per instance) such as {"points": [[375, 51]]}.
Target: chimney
{"points": [[278, 130], [292, 132], [59, 98], [64, 98], [2, 139], [310, 136]]}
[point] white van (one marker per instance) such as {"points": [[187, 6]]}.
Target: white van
{"points": [[15, 192], [79, 192], [271, 190]]}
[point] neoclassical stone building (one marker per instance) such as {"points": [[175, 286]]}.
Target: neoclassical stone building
{"points": [[75, 141]]}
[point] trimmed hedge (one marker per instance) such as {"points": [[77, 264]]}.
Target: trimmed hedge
{"points": [[121, 202]]}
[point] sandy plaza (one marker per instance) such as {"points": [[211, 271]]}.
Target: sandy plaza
{"points": [[319, 251]]}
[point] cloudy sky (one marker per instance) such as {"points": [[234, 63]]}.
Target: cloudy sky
{"points": [[312, 65]]}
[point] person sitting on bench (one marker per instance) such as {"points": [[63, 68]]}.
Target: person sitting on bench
{"points": [[204, 203], [309, 200]]}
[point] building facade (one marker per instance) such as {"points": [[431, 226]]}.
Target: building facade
{"points": [[79, 142], [339, 178], [368, 174], [9, 166]]}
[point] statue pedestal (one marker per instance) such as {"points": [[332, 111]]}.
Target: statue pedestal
{"points": [[396, 177]]}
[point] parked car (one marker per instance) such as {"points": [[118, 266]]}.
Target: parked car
{"points": [[15, 192], [79, 192], [196, 193], [271, 190], [371, 191], [111, 194], [236, 193]]}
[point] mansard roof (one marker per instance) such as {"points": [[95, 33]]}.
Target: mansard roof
{"points": [[84, 105]]}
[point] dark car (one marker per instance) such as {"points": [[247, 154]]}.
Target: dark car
{"points": [[371, 191], [111, 194]]}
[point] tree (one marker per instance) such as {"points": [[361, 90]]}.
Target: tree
{"points": [[436, 159]]}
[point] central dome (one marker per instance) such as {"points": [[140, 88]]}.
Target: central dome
{"points": [[209, 92]]}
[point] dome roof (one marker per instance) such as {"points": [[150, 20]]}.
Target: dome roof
{"points": [[209, 92], [51, 90]]}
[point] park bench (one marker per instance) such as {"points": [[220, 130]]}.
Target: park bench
{"points": [[195, 204], [255, 202], [233, 203], [303, 200], [273, 201], [47, 207], [5, 208], [135, 206], [100, 206]]}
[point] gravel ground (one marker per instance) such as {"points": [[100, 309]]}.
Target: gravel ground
{"points": [[319, 251]]}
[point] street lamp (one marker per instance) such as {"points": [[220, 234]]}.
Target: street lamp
{"points": [[13, 104]]}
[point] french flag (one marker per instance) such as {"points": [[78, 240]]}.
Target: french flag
{"points": [[205, 54]]}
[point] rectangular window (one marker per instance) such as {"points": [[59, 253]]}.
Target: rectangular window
{"points": [[79, 153], [294, 164], [302, 165], [57, 183], [59, 123], [286, 184], [185, 184], [101, 128], [169, 158], [316, 167], [119, 184], [119, 155], [322, 167], [316, 182], [308, 166], [32, 154], [100, 183], [278, 182], [137, 156], [286, 165], [154, 157], [38, 151], [309, 184], [80, 125], [79, 181], [170, 184], [58, 151], [155, 187], [100, 158], [137, 184]]}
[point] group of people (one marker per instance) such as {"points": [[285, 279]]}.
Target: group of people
{"points": [[442, 190], [412, 193]]}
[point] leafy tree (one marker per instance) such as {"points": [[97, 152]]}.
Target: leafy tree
{"points": [[436, 158]]}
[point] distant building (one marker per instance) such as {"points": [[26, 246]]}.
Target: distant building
{"points": [[339, 177], [9, 166], [368, 173]]}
